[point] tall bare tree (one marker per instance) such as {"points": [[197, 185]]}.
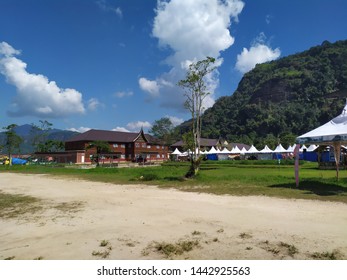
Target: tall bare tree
{"points": [[195, 91], [12, 140]]}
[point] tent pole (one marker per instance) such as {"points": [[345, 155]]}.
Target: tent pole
{"points": [[337, 151], [296, 154]]}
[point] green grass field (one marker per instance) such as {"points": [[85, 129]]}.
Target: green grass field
{"points": [[229, 177]]}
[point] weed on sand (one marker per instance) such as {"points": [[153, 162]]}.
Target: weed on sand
{"points": [[16, 205]]}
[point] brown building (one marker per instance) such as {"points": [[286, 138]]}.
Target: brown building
{"points": [[124, 146]]}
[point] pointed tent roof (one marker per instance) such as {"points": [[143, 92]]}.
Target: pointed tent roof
{"points": [[212, 151], [266, 150], [311, 148], [252, 150], [303, 147], [176, 152], [243, 150], [280, 149], [333, 131], [225, 151], [235, 150], [291, 148]]}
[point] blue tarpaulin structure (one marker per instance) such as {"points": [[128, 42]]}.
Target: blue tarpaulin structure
{"points": [[18, 161]]}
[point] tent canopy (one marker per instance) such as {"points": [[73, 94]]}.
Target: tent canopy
{"points": [[266, 150], [329, 133]]}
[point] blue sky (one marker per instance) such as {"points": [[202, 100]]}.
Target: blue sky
{"points": [[114, 64]]}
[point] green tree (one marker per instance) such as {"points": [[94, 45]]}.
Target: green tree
{"points": [[163, 129], [12, 140], [39, 136], [195, 91], [100, 147]]}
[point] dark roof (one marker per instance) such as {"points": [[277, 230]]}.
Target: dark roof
{"points": [[112, 136], [205, 142]]}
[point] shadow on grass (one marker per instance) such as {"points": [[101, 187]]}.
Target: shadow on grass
{"points": [[315, 187], [174, 178]]}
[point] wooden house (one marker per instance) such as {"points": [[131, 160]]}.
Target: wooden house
{"points": [[124, 146]]}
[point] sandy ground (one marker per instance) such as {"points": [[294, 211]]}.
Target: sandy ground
{"points": [[76, 216]]}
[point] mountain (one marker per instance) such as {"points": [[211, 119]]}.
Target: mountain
{"points": [[25, 131], [279, 100]]}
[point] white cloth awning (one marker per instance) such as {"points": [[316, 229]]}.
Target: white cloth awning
{"points": [[235, 150], [252, 150], [266, 150], [176, 152], [279, 149], [331, 132]]}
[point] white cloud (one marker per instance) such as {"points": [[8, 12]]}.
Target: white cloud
{"points": [[105, 6], [121, 94], [175, 120], [258, 53], [192, 30], [135, 126], [36, 95], [268, 19], [94, 103], [80, 129], [122, 129], [149, 86]]}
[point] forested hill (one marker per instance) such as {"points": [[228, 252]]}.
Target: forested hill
{"points": [[283, 98]]}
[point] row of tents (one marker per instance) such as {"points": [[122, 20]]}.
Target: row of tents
{"points": [[252, 150]]}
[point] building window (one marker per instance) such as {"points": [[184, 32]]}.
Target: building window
{"points": [[115, 145], [122, 146], [162, 147], [158, 147], [137, 145], [158, 156], [143, 145], [162, 156], [148, 146], [122, 156], [148, 156]]}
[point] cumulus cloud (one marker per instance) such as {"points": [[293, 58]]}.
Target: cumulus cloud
{"points": [[175, 120], [192, 30], [121, 94], [135, 126], [259, 52], [80, 129], [94, 103], [151, 87], [121, 129], [36, 95]]}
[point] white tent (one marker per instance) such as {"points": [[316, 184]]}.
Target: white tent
{"points": [[212, 151], [235, 150], [312, 148], [243, 150], [303, 147], [266, 150], [252, 150], [291, 149], [176, 152], [225, 151], [332, 133], [279, 149]]}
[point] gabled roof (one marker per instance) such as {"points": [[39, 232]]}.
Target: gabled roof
{"points": [[112, 136]]}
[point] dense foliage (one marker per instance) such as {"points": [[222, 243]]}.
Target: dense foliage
{"points": [[282, 99]]}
